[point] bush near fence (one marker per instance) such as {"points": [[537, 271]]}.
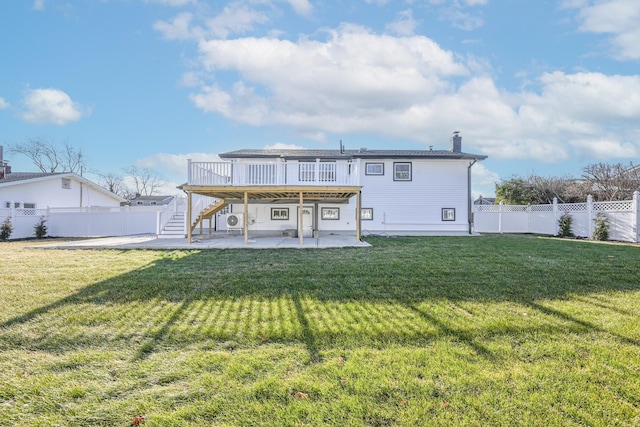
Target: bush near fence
{"points": [[543, 219]]}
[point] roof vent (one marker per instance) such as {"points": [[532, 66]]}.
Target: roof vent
{"points": [[363, 149]]}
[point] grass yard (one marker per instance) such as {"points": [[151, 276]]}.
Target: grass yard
{"points": [[496, 330]]}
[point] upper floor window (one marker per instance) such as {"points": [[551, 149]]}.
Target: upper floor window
{"points": [[66, 183], [374, 169], [402, 171]]}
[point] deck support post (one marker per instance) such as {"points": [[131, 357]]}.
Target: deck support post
{"points": [[301, 215], [189, 217], [358, 212], [246, 218]]}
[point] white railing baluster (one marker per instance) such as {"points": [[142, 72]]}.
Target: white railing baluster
{"points": [[271, 173]]}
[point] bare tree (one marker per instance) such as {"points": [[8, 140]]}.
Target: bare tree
{"points": [[115, 184], [49, 157], [565, 189], [612, 181], [540, 190], [146, 181]]}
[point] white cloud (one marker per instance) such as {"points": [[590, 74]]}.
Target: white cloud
{"points": [[179, 28], [38, 5], [618, 18], [345, 82], [301, 7], [483, 180], [51, 106], [409, 88], [4, 104], [605, 148], [405, 25], [233, 19]]}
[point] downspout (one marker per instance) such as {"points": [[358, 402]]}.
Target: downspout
{"points": [[469, 213]]}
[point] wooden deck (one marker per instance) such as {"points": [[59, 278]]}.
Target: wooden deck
{"points": [[273, 193]]}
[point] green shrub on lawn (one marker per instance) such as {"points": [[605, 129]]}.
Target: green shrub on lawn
{"points": [[6, 229], [40, 229], [565, 223], [601, 230]]}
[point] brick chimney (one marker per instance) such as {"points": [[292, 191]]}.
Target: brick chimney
{"points": [[456, 142], [5, 169]]}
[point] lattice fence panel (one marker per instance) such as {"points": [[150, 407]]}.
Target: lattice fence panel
{"points": [[572, 207], [621, 206]]}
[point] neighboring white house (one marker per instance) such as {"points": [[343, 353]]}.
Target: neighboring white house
{"points": [[26, 198], [37, 190], [326, 191]]}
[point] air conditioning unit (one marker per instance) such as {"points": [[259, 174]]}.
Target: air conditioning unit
{"points": [[235, 221]]}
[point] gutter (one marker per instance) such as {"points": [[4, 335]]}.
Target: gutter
{"points": [[469, 213]]}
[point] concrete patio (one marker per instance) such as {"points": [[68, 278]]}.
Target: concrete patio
{"points": [[218, 240]]}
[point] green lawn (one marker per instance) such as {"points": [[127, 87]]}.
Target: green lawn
{"points": [[484, 331]]}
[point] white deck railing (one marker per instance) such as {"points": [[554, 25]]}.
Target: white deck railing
{"points": [[273, 173]]}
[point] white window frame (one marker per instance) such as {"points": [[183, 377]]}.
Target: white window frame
{"points": [[374, 169]]}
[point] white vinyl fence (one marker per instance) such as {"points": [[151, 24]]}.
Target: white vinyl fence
{"points": [[92, 221], [543, 219]]}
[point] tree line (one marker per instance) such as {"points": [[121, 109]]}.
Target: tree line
{"points": [[603, 181], [50, 157]]}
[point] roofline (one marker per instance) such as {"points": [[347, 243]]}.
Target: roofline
{"points": [[362, 155]]}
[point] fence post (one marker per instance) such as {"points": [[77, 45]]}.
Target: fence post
{"points": [[589, 215], [636, 217], [500, 216], [555, 216]]}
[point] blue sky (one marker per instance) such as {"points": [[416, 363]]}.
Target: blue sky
{"points": [[544, 87]]}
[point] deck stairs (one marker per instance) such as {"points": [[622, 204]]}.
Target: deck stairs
{"points": [[174, 228], [208, 213]]}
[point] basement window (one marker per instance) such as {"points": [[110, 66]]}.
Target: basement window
{"points": [[448, 214]]}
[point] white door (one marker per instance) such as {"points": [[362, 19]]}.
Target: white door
{"points": [[307, 221]]}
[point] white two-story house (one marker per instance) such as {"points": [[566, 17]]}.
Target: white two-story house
{"points": [[316, 192]]}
